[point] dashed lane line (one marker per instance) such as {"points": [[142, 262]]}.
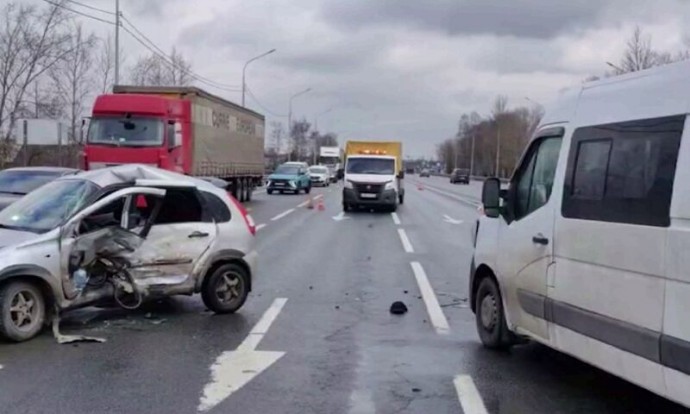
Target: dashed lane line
{"points": [[438, 319], [470, 399], [405, 241], [260, 226], [283, 214], [396, 219]]}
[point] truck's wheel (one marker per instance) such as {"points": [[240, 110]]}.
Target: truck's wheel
{"points": [[269, 192], [347, 207], [490, 317], [22, 311], [401, 198], [226, 289], [250, 191]]}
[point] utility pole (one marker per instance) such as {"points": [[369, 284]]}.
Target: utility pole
{"points": [[117, 42], [472, 157], [498, 149]]}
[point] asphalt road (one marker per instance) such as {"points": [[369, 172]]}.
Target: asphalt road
{"points": [[316, 334]]}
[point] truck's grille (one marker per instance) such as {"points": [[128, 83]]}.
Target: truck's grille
{"points": [[365, 188]]}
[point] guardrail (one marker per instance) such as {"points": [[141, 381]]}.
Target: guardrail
{"points": [[473, 178]]}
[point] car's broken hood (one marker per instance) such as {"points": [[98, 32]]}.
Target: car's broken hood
{"points": [[14, 237]]}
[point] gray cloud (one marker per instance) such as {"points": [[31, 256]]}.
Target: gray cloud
{"points": [[524, 18]]}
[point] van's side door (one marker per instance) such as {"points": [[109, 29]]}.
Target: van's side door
{"points": [[526, 235]]}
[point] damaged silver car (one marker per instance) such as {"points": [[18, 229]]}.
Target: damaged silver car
{"points": [[121, 236]]}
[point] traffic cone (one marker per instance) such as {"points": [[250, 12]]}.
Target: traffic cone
{"points": [[321, 207], [420, 187]]}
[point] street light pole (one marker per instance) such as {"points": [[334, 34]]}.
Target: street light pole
{"points": [[117, 42], [290, 121], [244, 69]]}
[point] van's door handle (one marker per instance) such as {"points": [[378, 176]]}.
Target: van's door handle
{"points": [[540, 239], [197, 235]]}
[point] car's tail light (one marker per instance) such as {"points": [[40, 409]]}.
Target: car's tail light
{"points": [[247, 218]]}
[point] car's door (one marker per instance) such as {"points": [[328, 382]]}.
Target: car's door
{"points": [[178, 240], [526, 236], [101, 228]]}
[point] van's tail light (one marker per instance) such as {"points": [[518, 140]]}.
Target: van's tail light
{"points": [[247, 218]]}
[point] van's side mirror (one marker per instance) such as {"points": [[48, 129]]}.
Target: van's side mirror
{"points": [[171, 135], [491, 197], [401, 174]]}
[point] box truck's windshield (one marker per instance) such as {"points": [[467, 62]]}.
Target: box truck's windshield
{"points": [[380, 166], [126, 132]]}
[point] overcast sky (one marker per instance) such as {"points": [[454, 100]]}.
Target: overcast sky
{"points": [[397, 69]]}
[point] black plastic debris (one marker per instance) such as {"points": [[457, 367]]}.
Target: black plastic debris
{"points": [[337, 306], [398, 308], [405, 292], [416, 390], [311, 287]]}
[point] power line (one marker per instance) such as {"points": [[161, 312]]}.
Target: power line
{"points": [[171, 63], [91, 7], [260, 105], [79, 13], [159, 50]]}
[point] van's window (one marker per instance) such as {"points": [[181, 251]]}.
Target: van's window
{"points": [[623, 172], [590, 169], [535, 180]]}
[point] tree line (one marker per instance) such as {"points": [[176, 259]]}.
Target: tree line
{"points": [[50, 67], [491, 145]]}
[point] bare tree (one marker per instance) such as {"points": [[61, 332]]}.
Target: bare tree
{"points": [[156, 70], [638, 54], [72, 78], [105, 65], [31, 42]]}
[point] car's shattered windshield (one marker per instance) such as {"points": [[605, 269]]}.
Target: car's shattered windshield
{"points": [[49, 206]]}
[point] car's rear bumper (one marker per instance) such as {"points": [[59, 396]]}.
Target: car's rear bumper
{"points": [[384, 198], [252, 261]]}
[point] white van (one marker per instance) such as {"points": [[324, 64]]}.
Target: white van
{"points": [[588, 249]]}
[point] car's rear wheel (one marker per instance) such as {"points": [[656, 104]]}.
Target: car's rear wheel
{"points": [[226, 289], [22, 311], [490, 317]]}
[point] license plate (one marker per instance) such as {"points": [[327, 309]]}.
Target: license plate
{"points": [[368, 195], [278, 184]]}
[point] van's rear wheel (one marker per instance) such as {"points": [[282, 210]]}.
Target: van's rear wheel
{"points": [[490, 316], [22, 311]]}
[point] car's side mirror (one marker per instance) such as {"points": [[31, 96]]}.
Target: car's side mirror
{"points": [[491, 197], [401, 174]]}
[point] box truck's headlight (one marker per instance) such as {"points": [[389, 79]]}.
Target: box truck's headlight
{"points": [[390, 185], [348, 184]]}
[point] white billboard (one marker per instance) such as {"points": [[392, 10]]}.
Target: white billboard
{"points": [[330, 152], [40, 132]]}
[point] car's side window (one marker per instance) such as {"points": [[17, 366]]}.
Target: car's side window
{"points": [[215, 210], [534, 181], [180, 205], [623, 172]]}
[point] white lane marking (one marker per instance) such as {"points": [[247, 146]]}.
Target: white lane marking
{"points": [[340, 217], [438, 319], [470, 399], [233, 369], [449, 219], [362, 402], [1, 367], [405, 241], [303, 204], [396, 219], [260, 226], [283, 214]]}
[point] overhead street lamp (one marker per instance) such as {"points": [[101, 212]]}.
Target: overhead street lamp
{"points": [[244, 84], [290, 114], [615, 67]]}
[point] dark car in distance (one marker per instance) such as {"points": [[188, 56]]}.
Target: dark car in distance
{"points": [[460, 175], [425, 173], [15, 183]]}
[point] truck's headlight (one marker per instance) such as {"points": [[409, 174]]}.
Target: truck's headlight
{"points": [[348, 184], [390, 186]]}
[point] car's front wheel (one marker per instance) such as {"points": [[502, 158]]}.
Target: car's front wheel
{"points": [[490, 317], [22, 311], [226, 289]]}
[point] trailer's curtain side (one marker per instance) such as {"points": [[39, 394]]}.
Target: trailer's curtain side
{"points": [[226, 141]]}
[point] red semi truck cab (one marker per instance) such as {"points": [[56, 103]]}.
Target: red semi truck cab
{"points": [[137, 128]]}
